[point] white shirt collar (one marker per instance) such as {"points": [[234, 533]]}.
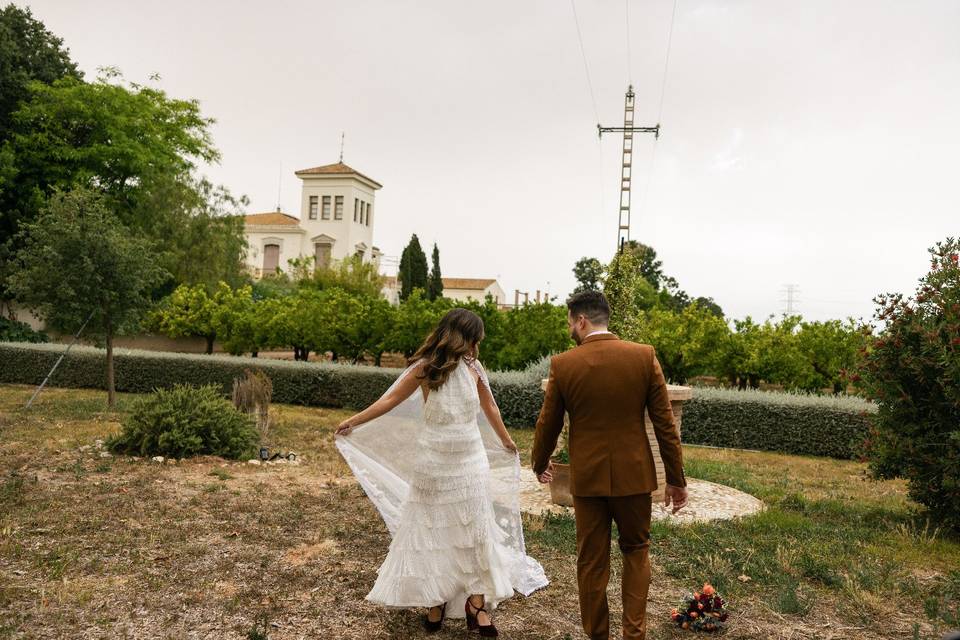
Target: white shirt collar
{"points": [[597, 332]]}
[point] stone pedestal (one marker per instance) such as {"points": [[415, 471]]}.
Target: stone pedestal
{"points": [[678, 395]]}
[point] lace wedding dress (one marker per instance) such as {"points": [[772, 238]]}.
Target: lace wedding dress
{"points": [[448, 492]]}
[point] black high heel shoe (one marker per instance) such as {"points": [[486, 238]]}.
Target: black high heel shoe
{"points": [[430, 625], [486, 631]]}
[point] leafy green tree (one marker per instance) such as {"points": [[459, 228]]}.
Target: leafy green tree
{"points": [[710, 305], [187, 312], [589, 274], [530, 332], [687, 342], [415, 319], [830, 350], [628, 292], [200, 232], [650, 267], [235, 319], [351, 274], [137, 147], [413, 269], [28, 52], [78, 263], [435, 282], [290, 322]]}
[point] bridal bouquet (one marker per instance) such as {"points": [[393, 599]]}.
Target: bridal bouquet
{"points": [[701, 611]]}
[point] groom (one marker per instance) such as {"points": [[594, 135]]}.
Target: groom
{"points": [[606, 384]]}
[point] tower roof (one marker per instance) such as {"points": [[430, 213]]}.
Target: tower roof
{"points": [[336, 169]]}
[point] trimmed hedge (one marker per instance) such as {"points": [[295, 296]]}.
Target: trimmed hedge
{"points": [[800, 424], [305, 383], [784, 422]]}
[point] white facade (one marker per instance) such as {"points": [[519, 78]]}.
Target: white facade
{"points": [[460, 289], [337, 213]]}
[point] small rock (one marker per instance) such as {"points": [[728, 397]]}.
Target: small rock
{"points": [[257, 462], [106, 454], [157, 459], [743, 578], [85, 447], [281, 461], [98, 443], [171, 461]]}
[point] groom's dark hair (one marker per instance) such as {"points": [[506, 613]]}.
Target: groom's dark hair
{"points": [[592, 304]]}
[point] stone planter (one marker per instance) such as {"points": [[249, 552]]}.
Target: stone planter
{"points": [[560, 485], [678, 395]]}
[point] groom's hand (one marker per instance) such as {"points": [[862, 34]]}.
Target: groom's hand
{"points": [[676, 494], [546, 476]]}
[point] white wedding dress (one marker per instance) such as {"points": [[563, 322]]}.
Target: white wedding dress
{"points": [[448, 492]]}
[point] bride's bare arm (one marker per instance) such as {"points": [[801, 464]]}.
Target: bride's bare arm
{"points": [[492, 411], [400, 393]]}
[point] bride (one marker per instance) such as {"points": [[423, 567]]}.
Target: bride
{"points": [[434, 457]]}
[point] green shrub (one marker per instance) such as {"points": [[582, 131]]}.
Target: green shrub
{"points": [[15, 331], [912, 370], [186, 421], [800, 424]]}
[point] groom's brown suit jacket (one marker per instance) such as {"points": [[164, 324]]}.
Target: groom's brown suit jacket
{"points": [[606, 384]]}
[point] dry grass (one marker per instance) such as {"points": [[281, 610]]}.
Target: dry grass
{"points": [[113, 547]]}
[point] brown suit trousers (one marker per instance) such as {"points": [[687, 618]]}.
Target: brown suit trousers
{"points": [[606, 385]]}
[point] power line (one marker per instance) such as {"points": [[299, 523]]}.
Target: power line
{"points": [[663, 95], [586, 67], [666, 63], [629, 55]]}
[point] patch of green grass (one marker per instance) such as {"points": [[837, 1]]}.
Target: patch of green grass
{"points": [[552, 530], [221, 474]]}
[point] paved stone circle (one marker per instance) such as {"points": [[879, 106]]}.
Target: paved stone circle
{"points": [[708, 501]]}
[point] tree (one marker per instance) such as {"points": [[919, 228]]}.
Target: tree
{"points": [[28, 52], [201, 232], [687, 342], [137, 147], [188, 311], [415, 319], [830, 350], [236, 320], [650, 268], [912, 371], [627, 291], [531, 331], [78, 262], [351, 274], [589, 274], [413, 268], [435, 282]]}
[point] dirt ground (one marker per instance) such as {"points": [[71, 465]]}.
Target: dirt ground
{"points": [[100, 546]]}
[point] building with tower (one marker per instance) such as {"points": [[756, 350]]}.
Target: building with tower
{"points": [[336, 222]]}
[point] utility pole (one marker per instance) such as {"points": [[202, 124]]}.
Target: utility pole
{"points": [[790, 291], [626, 170]]}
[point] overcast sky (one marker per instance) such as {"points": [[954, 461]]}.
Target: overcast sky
{"points": [[812, 143]]}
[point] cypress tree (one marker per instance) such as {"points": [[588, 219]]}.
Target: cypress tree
{"points": [[435, 285], [413, 269]]}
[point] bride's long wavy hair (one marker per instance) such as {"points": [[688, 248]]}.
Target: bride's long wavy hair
{"points": [[457, 336]]}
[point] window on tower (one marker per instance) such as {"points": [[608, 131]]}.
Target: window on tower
{"points": [[369, 211], [356, 209], [326, 208], [338, 208], [313, 207]]}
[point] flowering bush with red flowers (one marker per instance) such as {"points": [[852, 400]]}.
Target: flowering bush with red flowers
{"points": [[701, 611], [912, 371]]}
